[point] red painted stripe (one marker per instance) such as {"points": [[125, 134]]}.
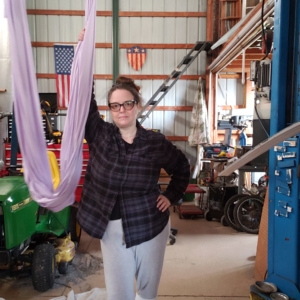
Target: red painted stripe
{"points": [[139, 63], [63, 92], [58, 91], [134, 57], [68, 96]]}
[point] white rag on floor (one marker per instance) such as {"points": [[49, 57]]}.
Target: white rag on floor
{"points": [[94, 294]]}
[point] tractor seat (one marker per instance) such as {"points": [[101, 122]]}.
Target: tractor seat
{"points": [[55, 174], [54, 169]]}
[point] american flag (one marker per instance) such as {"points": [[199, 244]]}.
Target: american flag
{"points": [[136, 57], [63, 56]]}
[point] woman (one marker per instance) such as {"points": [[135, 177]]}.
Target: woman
{"points": [[121, 202]]}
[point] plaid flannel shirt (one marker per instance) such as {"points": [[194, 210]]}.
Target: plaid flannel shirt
{"points": [[131, 177]]}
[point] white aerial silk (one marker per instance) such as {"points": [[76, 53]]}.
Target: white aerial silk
{"points": [[199, 130], [28, 115]]}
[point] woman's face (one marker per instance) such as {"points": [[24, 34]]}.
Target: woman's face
{"points": [[123, 118]]}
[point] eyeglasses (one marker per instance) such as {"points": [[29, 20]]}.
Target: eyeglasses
{"points": [[128, 105]]}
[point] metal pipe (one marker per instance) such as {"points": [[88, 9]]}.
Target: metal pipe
{"points": [[115, 39], [5, 114], [238, 51], [243, 35], [243, 66], [216, 103], [210, 97], [244, 5]]}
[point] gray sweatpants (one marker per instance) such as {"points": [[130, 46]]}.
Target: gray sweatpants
{"points": [[121, 265]]}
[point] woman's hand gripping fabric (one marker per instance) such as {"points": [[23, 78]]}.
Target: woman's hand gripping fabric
{"points": [[81, 35]]}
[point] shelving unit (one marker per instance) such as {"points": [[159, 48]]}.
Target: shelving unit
{"points": [[230, 14]]}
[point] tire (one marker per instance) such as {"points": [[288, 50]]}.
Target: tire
{"points": [[207, 216], [43, 267], [63, 268], [74, 227], [223, 221], [247, 213], [228, 211]]}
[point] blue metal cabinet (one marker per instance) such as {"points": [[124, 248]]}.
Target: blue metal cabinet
{"points": [[284, 159]]}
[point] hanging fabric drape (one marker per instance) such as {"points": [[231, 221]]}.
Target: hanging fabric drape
{"points": [[199, 129], [27, 109]]}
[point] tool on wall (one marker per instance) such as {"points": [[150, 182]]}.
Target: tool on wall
{"points": [[234, 122], [172, 78]]}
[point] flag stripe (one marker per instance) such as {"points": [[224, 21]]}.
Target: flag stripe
{"points": [[63, 55], [135, 62], [64, 90], [138, 61], [59, 90], [68, 91]]}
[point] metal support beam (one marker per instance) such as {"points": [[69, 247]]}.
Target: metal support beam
{"points": [[284, 187], [115, 43]]}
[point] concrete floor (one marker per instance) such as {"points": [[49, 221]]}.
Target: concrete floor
{"points": [[207, 262]]}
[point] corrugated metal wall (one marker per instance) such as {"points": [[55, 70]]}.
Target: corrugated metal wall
{"points": [[150, 30]]}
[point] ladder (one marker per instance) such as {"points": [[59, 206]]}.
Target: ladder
{"points": [[171, 79]]}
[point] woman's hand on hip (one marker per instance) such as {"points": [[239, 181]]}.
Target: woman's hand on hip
{"points": [[163, 203]]}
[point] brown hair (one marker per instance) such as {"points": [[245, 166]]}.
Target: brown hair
{"points": [[125, 83]]}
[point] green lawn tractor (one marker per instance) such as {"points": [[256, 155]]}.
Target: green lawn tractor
{"points": [[34, 238]]}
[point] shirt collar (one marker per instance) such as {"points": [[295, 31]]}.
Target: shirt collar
{"points": [[141, 133]]}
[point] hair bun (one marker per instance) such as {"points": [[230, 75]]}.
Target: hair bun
{"points": [[122, 80]]}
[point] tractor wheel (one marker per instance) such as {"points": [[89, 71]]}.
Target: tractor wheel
{"points": [[74, 227], [43, 267], [63, 268]]}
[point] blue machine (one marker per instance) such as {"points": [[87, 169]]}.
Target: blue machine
{"points": [[284, 161]]}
